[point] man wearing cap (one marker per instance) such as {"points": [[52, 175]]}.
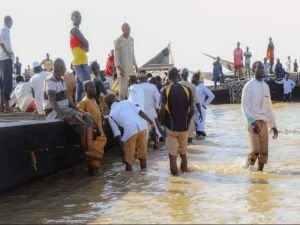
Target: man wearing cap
{"points": [[6, 64], [132, 120], [37, 84], [184, 76], [124, 59]]}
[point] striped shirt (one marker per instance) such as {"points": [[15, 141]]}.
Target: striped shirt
{"points": [[57, 85]]}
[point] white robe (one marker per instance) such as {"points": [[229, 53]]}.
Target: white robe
{"points": [[206, 97]]}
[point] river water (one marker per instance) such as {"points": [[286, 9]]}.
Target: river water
{"points": [[218, 190]]}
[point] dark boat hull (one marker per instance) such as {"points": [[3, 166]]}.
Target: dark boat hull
{"points": [[222, 96], [54, 144]]}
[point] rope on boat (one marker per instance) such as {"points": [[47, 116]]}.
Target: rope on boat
{"points": [[235, 90]]}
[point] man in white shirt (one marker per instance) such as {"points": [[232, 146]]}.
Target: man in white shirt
{"points": [[184, 76], [288, 86], [37, 85], [257, 108], [6, 64], [124, 59], [266, 67], [289, 65], [136, 93], [132, 121], [206, 97], [22, 96], [151, 103]]}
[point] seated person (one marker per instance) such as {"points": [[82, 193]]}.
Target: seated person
{"points": [[57, 105], [89, 105], [22, 96]]}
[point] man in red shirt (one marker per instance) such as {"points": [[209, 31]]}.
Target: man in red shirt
{"points": [[110, 64], [238, 60]]}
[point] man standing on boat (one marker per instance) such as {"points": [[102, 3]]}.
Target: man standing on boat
{"points": [[288, 86], [295, 66], [257, 108], [47, 63], [89, 105], [270, 55], [238, 60], [80, 47], [184, 76], [248, 56], [279, 70], [176, 112], [217, 72], [110, 64], [6, 64], [266, 67], [124, 59], [288, 65]]}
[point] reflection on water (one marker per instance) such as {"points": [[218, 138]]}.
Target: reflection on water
{"points": [[217, 191]]}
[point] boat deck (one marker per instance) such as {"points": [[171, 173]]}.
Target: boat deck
{"points": [[13, 118]]}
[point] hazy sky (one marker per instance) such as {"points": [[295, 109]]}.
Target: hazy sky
{"points": [[192, 26]]}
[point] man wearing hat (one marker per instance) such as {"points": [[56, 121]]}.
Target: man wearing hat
{"points": [[37, 84]]}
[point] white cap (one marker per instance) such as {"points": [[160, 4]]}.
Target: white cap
{"points": [[35, 64]]}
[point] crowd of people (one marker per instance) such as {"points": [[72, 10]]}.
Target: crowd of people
{"points": [[137, 105], [242, 65]]}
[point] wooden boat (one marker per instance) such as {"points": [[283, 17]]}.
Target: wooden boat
{"points": [[31, 148], [160, 63]]}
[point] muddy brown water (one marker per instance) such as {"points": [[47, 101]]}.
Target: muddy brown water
{"points": [[218, 190]]}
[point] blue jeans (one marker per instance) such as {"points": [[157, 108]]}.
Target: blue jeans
{"points": [[82, 74]]}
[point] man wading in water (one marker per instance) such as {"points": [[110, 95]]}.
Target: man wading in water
{"points": [[176, 113], [257, 107]]}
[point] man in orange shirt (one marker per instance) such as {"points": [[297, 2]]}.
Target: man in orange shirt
{"points": [[89, 105]]}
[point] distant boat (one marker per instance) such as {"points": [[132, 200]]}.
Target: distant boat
{"points": [[234, 87], [163, 61]]}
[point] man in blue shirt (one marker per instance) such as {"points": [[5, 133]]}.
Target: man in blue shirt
{"points": [[279, 70], [248, 56]]}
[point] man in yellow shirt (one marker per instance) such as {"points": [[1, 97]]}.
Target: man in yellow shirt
{"points": [[89, 105], [80, 47], [47, 63]]}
